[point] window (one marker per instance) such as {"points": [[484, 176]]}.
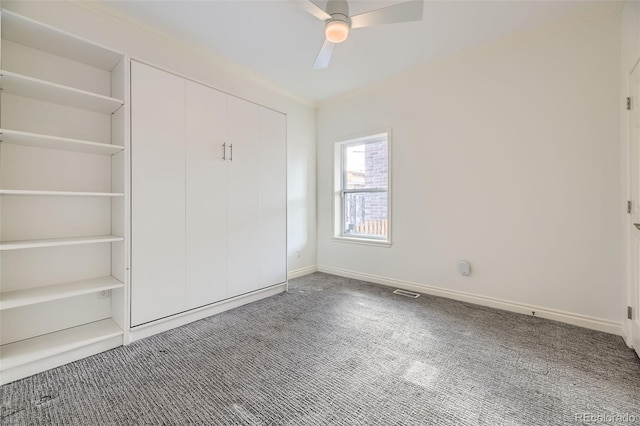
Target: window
{"points": [[362, 189]]}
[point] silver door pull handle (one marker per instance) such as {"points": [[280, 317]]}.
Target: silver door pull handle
{"points": [[637, 225], [231, 148], [224, 151]]}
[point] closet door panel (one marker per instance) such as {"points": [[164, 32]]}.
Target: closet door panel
{"points": [[158, 194], [243, 196], [206, 196], [273, 197]]}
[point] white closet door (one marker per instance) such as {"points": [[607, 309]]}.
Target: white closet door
{"points": [[243, 196], [206, 208], [273, 197], [158, 194]]}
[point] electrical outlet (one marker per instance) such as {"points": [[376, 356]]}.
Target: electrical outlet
{"points": [[298, 254], [104, 294]]}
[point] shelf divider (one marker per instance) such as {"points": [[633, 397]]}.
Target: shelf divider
{"points": [[22, 85], [39, 36], [60, 193], [16, 137], [55, 242], [37, 348], [32, 296]]}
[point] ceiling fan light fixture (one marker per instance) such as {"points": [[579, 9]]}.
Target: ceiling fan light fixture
{"points": [[337, 30]]}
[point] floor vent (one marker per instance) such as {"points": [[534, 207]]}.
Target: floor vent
{"points": [[406, 293]]}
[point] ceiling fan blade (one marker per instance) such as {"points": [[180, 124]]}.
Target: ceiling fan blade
{"points": [[310, 7], [324, 56], [404, 12]]}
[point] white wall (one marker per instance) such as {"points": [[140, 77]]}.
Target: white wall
{"points": [[507, 157], [87, 20]]}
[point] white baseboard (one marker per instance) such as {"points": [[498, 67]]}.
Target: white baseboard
{"points": [[164, 324], [628, 335], [633, 336], [552, 314], [302, 272]]}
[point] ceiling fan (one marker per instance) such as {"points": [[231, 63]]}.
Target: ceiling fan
{"points": [[338, 22]]}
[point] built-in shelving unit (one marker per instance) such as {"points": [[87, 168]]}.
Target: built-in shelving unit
{"points": [[63, 197]]}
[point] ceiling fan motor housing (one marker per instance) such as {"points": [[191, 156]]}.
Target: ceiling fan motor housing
{"points": [[338, 7], [340, 17]]}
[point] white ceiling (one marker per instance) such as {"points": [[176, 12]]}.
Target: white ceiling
{"points": [[277, 41]]}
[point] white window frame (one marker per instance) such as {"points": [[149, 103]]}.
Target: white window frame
{"points": [[338, 192]]}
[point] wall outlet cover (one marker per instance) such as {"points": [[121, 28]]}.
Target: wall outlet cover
{"points": [[464, 268]]}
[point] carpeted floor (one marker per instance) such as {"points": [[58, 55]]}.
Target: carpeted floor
{"points": [[335, 351]]}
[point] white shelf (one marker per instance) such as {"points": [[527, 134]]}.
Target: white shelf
{"points": [[43, 37], [54, 242], [60, 193], [30, 350], [22, 85], [15, 299], [16, 137]]}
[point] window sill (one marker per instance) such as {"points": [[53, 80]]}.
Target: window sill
{"points": [[362, 241]]}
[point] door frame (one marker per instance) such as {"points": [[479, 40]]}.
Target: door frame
{"points": [[632, 330]]}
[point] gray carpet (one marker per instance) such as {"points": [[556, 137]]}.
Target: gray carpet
{"points": [[335, 351]]}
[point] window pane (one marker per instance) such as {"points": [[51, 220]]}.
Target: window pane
{"points": [[366, 214], [365, 165], [362, 185]]}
